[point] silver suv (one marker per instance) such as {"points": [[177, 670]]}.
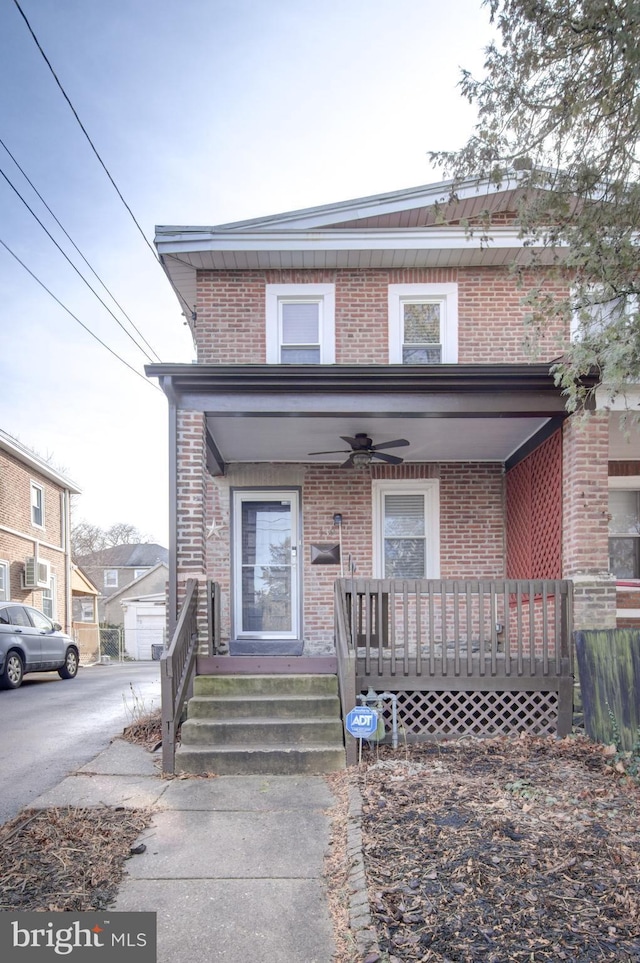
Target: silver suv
{"points": [[31, 642]]}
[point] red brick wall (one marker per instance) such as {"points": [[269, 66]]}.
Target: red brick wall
{"points": [[471, 525], [230, 328], [15, 514]]}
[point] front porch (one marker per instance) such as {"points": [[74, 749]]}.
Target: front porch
{"points": [[448, 658]]}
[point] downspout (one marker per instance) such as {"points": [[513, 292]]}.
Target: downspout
{"points": [[67, 561], [173, 518]]}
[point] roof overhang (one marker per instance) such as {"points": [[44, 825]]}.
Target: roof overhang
{"points": [[272, 413], [29, 458]]}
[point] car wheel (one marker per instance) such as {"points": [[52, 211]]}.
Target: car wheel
{"points": [[70, 668], [13, 671]]}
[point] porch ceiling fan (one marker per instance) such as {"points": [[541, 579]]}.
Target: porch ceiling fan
{"points": [[363, 451]]}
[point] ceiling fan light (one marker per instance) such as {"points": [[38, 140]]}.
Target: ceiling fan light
{"points": [[361, 459]]}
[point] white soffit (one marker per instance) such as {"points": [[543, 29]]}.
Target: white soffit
{"points": [[276, 439]]}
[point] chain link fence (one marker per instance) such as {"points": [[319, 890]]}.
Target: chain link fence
{"points": [[111, 645]]}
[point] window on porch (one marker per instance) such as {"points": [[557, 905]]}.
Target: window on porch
{"points": [[406, 529]]}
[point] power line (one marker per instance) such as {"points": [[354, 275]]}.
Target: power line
{"points": [[75, 318], [95, 151], [78, 272], [66, 233]]}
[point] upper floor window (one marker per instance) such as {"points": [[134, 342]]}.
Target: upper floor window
{"points": [[139, 571], [624, 533], [423, 323], [594, 311], [4, 582], [111, 577], [300, 323], [37, 505]]}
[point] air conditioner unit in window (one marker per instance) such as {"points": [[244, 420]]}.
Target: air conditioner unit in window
{"points": [[36, 574]]}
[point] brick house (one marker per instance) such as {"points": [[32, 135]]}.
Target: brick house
{"points": [[35, 551], [363, 407]]}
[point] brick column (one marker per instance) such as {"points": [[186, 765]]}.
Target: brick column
{"points": [[585, 549], [190, 509]]}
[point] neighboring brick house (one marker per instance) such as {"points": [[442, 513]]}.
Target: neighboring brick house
{"points": [[35, 552], [120, 567], [370, 318]]}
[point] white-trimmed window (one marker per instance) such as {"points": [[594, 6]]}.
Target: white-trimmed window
{"points": [[624, 527], [111, 578], [300, 323], [406, 529], [593, 313], [137, 572], [5, 589], [49, 599], [423, 323], [37, 505]]}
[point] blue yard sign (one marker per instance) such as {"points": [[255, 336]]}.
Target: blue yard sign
{"points": [[361, 722]]}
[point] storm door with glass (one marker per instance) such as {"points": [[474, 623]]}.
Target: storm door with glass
{"points": [[266, 573]]}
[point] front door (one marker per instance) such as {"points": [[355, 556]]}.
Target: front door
{"points": [[266, 575]]}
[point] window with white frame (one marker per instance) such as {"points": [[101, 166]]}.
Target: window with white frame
{"points": [[300, 321], [111, 578], [139, 571], [407, 529], [37, 505], [624, 533], [423, 323], [49, 599], [593, 311], [5, 590]]}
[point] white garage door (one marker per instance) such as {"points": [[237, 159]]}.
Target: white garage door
{"points": [[149, 631]]}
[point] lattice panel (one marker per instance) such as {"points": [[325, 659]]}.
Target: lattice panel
{"points": [[447, 714], [534, 513], [546, 508]]}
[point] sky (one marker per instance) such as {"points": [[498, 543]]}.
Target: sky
{"points": [[203, 112]]}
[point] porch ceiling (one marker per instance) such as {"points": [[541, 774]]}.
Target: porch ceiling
{"points": [[272, 413]]}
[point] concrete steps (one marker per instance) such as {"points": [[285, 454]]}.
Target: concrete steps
{"points": [[271, 724]]}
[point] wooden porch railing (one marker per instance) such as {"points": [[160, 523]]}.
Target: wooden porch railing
{"points": [[177, 664], [453, 635], [346, 661]]}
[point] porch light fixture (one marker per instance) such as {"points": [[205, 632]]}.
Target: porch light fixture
{"points": [[361, 459]]}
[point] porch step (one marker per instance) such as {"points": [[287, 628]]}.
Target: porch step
{"points": [[244, 685], [263, 724], [287, 706], [257, 760], [266, 731]]}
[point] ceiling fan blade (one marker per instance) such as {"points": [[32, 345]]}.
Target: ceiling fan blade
{"points": [[390, 459], [347, 464], [336, 451], [361, 442], [396, 443]]}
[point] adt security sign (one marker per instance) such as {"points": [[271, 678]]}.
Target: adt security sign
{"points": [[361, 722]]}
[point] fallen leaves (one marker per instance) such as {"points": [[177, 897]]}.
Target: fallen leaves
{"points": [[495, 850]]}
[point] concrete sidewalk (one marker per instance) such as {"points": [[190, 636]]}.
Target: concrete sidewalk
{"points": [[233, 864]]}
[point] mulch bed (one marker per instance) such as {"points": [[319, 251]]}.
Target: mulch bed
{"points": [[69, 858], [66, 858], [502, 850]]}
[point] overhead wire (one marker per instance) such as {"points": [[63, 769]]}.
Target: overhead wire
{"points": [[71, 241], [75, 268], [75, 318], [95, 151]]}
